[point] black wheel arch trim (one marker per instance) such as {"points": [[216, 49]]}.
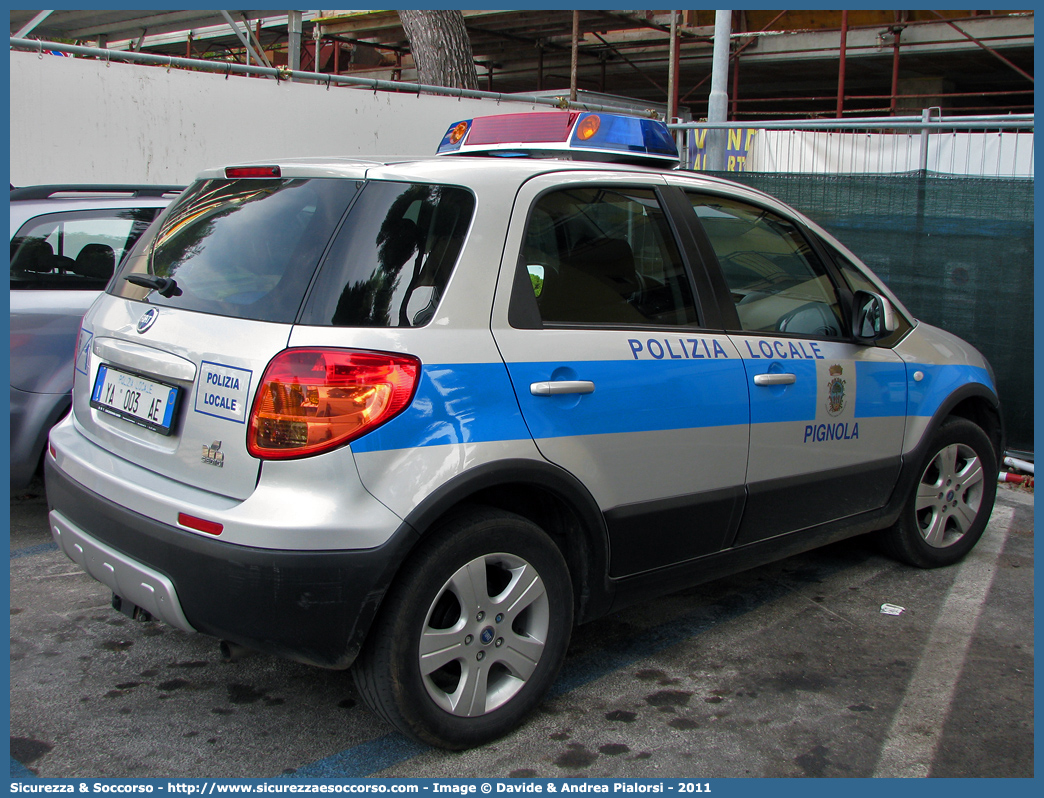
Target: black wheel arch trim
{"points": [[973, 390], [910, 471], [594, 592]]}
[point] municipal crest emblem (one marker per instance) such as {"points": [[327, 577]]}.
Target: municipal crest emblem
{"points": [[836, 391]]}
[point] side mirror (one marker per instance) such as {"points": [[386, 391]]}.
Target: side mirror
{"points": [[873, 317]]}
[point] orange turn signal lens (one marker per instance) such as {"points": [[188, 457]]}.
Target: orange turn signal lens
{"points": [[588, 127], [458, 132], [314, 400]]}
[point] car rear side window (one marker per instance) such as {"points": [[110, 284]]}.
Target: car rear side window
{"points": [[74, 250], [606, 256], [241, 248], [392, 258]]}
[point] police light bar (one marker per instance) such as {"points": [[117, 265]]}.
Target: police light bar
{"points": [[568, 134]]}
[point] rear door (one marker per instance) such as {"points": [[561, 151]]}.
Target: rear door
{"points": [[619, 372], [828, 414]]}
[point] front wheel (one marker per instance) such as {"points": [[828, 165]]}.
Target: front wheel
{"points": [[472, 633], [947, 511]]}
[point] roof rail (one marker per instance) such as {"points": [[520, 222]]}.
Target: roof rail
{"points": [[135, 190]]}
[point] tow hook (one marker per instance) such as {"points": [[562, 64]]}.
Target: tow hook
{"points": [[129, 609]]}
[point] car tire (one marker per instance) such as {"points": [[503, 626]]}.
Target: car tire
{"points": [[950, 504], [457, 679]]}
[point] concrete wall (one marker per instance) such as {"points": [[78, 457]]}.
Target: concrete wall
{"points": [[79, 120]]}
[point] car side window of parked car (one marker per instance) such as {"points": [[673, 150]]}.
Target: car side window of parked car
{"points": [[75, 250], [775, 278], [600, 255]]}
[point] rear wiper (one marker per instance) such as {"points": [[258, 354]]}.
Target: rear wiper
{"points": [[165, 286]]}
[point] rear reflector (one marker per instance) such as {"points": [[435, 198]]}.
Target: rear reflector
{"points": [[232, 172], [199, 524], [314, 400]]}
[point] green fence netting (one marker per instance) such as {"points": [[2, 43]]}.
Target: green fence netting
{"points": [[957, 251]]}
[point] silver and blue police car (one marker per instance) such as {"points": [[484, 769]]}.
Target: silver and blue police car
{"points": [[419, 418]]}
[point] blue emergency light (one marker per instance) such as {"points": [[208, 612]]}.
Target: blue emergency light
{"points": [[572, 134]]}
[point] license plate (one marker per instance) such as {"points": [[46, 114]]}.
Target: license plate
{"points": [[141, 401]]}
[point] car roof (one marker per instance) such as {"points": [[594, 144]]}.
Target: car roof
{"points": [[464, 170], [32, 201], [60, 191]]}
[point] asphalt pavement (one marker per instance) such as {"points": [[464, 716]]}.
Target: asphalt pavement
{"points": [[789, 670]]}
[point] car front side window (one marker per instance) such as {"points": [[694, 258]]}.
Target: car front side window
{"points": [[776, 281]]}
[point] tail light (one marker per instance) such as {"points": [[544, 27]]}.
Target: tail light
{"points": [[314, 400]]}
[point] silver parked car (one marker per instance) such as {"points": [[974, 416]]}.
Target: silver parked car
{"points": [[419, 417], [65, 243]]}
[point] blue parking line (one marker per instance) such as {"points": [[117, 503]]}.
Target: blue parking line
{"points": [[384, 752], [362, 760], [32, 550], [20, 771]]}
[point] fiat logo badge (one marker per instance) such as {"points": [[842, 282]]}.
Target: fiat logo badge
{"points": [[148, 318]]}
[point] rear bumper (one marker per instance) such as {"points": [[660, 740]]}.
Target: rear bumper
{"points": [[310, 606]]}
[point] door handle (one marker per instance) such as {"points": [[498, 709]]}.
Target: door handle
{"points": [[560, 387], [774, 379]]}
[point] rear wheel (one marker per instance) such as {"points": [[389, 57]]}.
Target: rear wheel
{"points": [[948, 509], [472, 634]]}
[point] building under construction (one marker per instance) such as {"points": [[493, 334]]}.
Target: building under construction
{"points": [[782, 64]]}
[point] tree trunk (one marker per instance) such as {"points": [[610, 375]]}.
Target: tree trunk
{"points": [[441, 48]]}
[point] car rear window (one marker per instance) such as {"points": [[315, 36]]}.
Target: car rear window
{"points": [[240, 248], [250, 249]]}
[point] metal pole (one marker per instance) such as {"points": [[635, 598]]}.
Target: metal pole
{"points": [[718, 102], [316, 37], [735, 86], [245, 40], [925, 116], [575, 54], [30, 26], [672, 71], [911, 123], [897, 32], [841, 67], [753, 38], [989, 50], [293, 31], [228, 68]]}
